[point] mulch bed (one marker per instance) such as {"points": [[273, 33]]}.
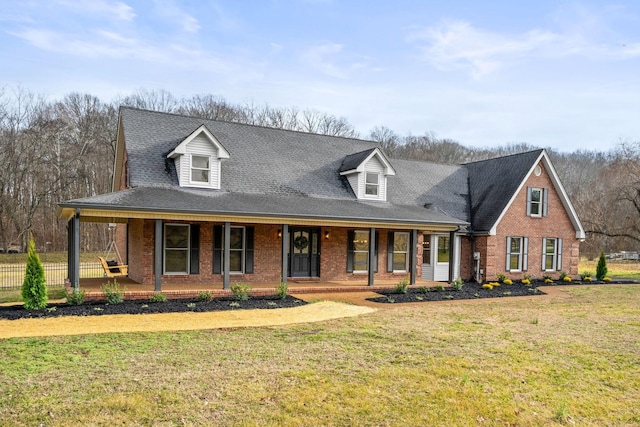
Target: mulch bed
{"points": [[99, 308], [473, 290]]}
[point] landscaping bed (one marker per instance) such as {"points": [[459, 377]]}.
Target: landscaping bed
{"points": [[473, 290], [98, 308]]}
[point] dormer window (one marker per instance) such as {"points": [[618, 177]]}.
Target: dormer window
{"points": [[367, 173], [372, 184], [198, 160], [200, 169]]}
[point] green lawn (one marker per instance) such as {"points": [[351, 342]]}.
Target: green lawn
{"points": [[572, 359]]}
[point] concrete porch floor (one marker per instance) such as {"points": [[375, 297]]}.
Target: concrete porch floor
{"points": [[135, 290]]}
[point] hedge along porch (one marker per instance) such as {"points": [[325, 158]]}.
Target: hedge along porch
{"points": [[190, 253]]}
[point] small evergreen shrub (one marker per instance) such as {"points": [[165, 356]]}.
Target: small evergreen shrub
{"points": [[34, 287], [601, 269], [205, 296], [501, 277], [240, 291], [401, 286], [75, 297], [457, 284], [159, 297], [281, 290], [113, 292], [439, 288], [423, 289]]}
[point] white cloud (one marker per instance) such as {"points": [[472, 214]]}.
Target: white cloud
{"points": [[169, 9], [118, 10], [460, 45], [326, 57]]}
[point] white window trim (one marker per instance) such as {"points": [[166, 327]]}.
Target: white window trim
{"points": [[437, 261], [192, 168], [540, 203], [360, 251], [554, 262], [406, 258], [164, 250], [242, 251], [376, 185]]}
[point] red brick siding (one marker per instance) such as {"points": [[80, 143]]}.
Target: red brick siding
{"points": [[267, 256], [515, 222]]}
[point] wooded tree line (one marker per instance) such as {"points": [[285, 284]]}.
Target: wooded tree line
{"points": [[59, 150]]}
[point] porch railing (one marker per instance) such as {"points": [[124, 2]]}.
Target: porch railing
{"points": [[12, 275]]}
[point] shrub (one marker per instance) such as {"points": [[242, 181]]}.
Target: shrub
{"points": [[114, 292], [549, 280], [526, 281], [401, 286], [159, 297], [563, 274], [439, 288], [508, 282], [240, 291], [495, 284], [601, 269], [545, 278], [205, 296], [281, 290], [566, 278], [75, 297], [606, 279], [457, 284], [34, 288], [487, 286], [527, 277], [501, 278], [423, 289], [586, 276]]}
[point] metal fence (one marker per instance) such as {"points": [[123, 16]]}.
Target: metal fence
{"points": [[12, 275]]}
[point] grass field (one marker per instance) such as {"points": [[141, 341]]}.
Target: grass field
{"points": [[616, 269], [561, 360]]}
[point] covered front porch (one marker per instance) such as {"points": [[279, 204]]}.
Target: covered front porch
{"points": [[135, 290]]}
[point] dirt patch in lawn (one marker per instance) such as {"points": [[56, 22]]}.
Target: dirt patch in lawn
{"points": [[79, 325]]}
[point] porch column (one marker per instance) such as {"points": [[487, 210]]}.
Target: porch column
{"points": [[372, 254], [226, 265], [285, 253], [157, 256], [452, 258], [414, 256], [73, 255]]}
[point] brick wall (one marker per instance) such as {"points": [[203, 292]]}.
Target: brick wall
{"points": [[556, 224], [267, 256]]}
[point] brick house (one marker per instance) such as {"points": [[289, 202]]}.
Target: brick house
{"points": [[209, 202]]}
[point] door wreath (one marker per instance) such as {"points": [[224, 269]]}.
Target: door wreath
{"points": [[300, 242]]}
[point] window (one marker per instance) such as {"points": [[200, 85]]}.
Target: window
{"points": [[443, 249], [372, 184], [426, 249], [399, 251], [200, 169], [360, 251], [551, 254], [176, 249], [517, 253], [536, 202], [240, 249]]}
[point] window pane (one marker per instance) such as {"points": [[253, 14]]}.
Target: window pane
{"points": [[360, 261], [236, 238], [301, 242], [514, 262], [548, 263], [535, 195], [176, 236], [399, 261], [515, 245], [372, 178], [361, 241], [235, 261], [175, 261], [400, 242], [551, 245], [199, 175], [426, 249], [371, 190], [200, 162], [443, 249]]}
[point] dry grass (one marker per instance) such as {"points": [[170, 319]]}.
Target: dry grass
{"points": [[573, 358], [621, 269]]}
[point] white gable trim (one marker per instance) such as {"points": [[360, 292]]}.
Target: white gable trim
{"points": [[182, 147], [388, 169], [564, 198]]}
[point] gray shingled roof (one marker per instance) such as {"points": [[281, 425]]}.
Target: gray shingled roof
{"points": [[274, 172], [352, 161], [493, 182]]}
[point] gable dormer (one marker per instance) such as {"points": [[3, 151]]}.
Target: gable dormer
{"points": [[198, 159], [367, 173]]}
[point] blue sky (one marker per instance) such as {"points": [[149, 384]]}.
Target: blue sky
{"points": [[485, 73]]}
